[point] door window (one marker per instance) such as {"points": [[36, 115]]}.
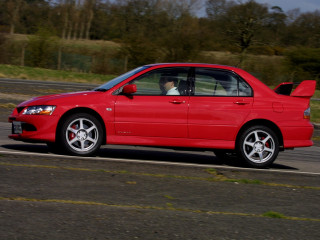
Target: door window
{"points": [[165, 81], [210, 82]]}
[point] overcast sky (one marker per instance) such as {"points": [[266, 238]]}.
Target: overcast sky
{"points": [[286, 5], [304, 5]]}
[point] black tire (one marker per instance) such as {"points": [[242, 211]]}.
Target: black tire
{"points": [[81, 134], [54, 147], [258, 146]]}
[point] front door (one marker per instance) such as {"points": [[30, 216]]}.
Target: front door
{"points": [[159, 108]]}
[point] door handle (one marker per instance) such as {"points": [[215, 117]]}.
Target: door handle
{"points": [[241, 103], [176, 101]]}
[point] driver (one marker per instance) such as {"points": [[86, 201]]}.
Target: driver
{"points": [[168, 85]]}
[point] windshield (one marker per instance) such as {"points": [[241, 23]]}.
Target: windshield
{"points": [[119, 79]]}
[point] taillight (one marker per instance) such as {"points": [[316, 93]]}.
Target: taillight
{"points": [[306, 114]]}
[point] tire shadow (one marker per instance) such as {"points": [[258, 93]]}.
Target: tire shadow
{"points": [[148, 154]]}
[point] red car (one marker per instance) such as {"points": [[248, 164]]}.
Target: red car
{"points": [[196, 106]]}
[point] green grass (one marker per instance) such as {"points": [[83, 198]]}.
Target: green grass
{"points": [[315, 111], [7, 105], [272, 214], [11, 71], [89, 46], [316, 94]]}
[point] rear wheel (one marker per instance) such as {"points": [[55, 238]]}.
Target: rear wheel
{"points": [[258, 146], [81, 134]]}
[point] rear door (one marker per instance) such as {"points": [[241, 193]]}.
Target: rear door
{"points": [[219, 105]]}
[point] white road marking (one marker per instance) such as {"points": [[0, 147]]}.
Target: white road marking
{"points": [[153, 162]]}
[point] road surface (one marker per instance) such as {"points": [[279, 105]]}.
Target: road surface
{"points": [[130, 192]]}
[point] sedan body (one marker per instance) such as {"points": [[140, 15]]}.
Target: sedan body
{"points": [[196, 106]]}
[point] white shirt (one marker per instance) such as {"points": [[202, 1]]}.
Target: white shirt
{"points": [[173, 91]]}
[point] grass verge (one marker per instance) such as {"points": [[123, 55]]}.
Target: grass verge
{"points": [[315, 111], [11, 71]]}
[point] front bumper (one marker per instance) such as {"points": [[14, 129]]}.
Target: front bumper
{"points": [[33, 128]]}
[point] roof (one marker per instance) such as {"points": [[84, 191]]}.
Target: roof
{"points": [[193, 65]]}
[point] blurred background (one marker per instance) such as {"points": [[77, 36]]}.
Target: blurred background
{"points": [[110, 37]]}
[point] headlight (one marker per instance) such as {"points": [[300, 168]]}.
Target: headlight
{"points": [[39, 110]]}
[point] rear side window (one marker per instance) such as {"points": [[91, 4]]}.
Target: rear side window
{"points": [[212, 82]]}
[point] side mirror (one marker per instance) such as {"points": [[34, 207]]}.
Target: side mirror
{"points": [[129, 89]]}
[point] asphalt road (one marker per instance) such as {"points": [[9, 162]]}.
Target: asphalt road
{"points": [[149, 193], [303, 160]]}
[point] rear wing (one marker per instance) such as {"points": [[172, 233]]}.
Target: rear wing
{"points": [[305, 89]]}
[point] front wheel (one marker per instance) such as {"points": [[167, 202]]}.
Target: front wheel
{"points": [[81, 134], [258, 146]]}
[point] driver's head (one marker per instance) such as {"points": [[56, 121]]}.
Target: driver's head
{"points": [[167, 82]]}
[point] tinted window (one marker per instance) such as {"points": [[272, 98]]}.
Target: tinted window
{"points": [[211, 82], [164, 81]]}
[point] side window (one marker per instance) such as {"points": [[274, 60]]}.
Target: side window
{"points": [[244, 89], [164, 81], [211, 82]]}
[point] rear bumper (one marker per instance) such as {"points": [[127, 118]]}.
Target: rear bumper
{"points": [[297, 136]]}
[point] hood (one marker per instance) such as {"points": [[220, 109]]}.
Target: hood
{"points": [[52, 99]]}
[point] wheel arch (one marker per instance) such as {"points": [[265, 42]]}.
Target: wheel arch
{"points": [[263, 122], [82, 110]]}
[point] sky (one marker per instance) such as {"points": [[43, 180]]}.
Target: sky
{"points": [[304, 5], [285, 5]]}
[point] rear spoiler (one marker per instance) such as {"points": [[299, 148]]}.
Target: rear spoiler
{"points": [[305, 89]]}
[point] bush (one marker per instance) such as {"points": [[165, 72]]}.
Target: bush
{"points": [[3, 56], [41, 49], [261, 50], [106, 62], [304, 63]]}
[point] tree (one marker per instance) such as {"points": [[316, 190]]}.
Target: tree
{"points": [[180, 35], [13, 10], [76, 18], [276, 24], [41, 48], [181, 42], [217, 8], [141, 23], [305, 30], [88, 8], [243, 22], [35, 14], [157, 30], [304, 63]]}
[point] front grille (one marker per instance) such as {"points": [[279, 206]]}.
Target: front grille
{"points": [[28, 127]]}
